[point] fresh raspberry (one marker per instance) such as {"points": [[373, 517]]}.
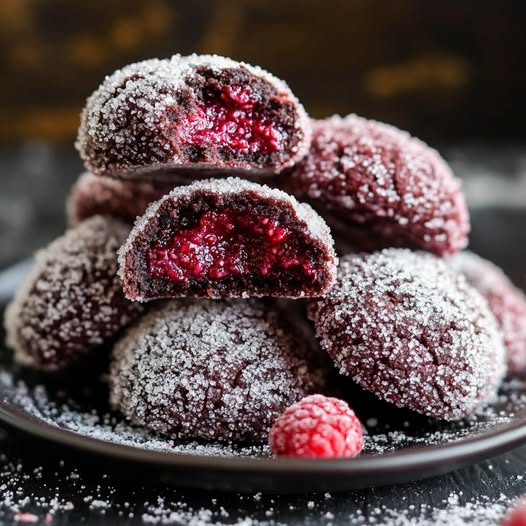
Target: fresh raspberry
{"points": [[317, 426], [517, 516]]}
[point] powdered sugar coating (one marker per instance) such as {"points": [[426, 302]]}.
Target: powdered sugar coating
{"points": [[227, 193], [506, 301], [123, 132], [382, 187], [72, 300], [125, 200], [218, 370], [412, 331]]}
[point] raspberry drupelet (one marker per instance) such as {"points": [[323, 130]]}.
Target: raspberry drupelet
{"points": [[125, 200], [72, 301], [517, 516], [214, 369], [506, 301], [227, 238], [406, 327], [380, 187], [158, 118], [317, 426]]}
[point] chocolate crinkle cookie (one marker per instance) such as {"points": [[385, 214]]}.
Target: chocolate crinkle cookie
{"points": [[72, 301], [406, 327], [227, 238], [215, 370], [154, 118], [506, 301], [381, 187], [125, 200]]}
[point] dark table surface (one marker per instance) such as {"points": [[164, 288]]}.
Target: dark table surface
{"points": [[48, 486]]}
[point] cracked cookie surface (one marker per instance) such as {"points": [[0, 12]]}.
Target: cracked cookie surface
{"points": [[415, 333], [381, 187], [217, 370]]}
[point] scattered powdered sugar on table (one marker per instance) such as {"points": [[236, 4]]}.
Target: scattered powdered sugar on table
{"points": [[27, 498], [23, 504], [482, 512]]}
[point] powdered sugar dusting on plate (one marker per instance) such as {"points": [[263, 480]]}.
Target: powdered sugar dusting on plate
{"points": [[382, 436], [509, 406]]}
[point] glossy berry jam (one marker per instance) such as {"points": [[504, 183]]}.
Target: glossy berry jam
{"points": [[229, 243], [231, 117]]}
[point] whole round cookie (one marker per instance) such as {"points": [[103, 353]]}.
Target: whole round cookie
{"points": [[405, 326], [72, 300], [215, 370], [381, 187], [506, 301], [155, 118], [125, 200], [227, 238]]}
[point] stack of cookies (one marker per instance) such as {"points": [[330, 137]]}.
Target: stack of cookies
{"points": [[205, 224]]}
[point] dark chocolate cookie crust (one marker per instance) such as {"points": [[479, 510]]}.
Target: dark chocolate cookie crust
{"points": [[92, 195], [412, 331], [224, 193], [506, 301], [380, 187], [215, 370], [72, 301], [126, 127]]}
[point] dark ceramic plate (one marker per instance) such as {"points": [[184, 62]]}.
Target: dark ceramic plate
{"points": [[71, 410]]}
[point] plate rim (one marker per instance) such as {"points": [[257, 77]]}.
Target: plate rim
{"points": [[481, 446]]}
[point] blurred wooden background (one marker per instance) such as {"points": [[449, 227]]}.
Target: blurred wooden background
{"points": [[447, 70]]}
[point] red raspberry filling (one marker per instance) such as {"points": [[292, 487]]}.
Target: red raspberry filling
{"points": [[317, 426], [228, 243], [231, 117]]}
